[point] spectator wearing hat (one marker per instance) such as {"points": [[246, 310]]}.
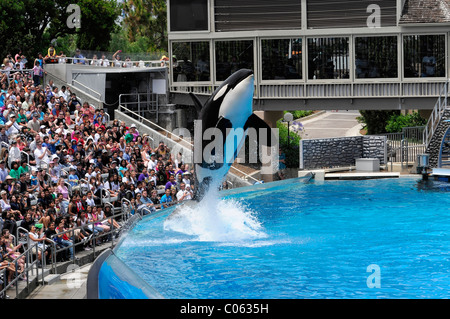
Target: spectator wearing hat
{"points": [[152, 163], [131, 134], [12, 127], [78, 58]]}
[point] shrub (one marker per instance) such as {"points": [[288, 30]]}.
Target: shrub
{"points": [[299, 113], [397, 122], [291, 148], [375, 121]]}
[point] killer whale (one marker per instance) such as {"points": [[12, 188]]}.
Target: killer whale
{"points": [[230, 107]]}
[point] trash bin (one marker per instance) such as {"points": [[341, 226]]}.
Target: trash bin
{"points": [[423, 160]]}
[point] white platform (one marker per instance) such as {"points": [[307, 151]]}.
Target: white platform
{"points": [[368, 164], [441, 172]]}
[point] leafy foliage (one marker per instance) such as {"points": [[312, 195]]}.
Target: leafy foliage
{"points": [[375, 121], [299, 113], [146, 21], [289, 144], [397, 122], [31, 25]]}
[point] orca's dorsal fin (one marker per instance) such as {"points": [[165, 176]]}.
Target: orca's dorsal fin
{"points": [[198, 105], [256, 122]]}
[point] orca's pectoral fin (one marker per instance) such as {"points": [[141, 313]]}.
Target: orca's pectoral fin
{"points": [[198, 105], [264, 132]]}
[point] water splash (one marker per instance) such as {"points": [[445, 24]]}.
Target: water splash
{"points": [[215, 219]]}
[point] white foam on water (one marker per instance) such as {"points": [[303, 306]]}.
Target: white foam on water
{"points": [[216, 220]]}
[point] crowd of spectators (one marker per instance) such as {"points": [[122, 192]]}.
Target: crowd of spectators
{"points": [[61, 160]]}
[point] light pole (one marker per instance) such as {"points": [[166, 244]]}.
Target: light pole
{"points": [[288, 117]]}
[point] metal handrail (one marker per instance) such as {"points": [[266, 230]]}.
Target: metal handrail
{"points": [[86, 87], [29, 266], [436, 114], [154, 104], [111, 63]]}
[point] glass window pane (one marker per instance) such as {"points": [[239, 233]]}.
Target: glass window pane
{"points": [[376, 57], [424, 55], [191, 61], [328, 58], [232, 56], [188, 15], [281, 59]]}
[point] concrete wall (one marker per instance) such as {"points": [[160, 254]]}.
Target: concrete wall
{"points": [[338, 152], [435, 144]]}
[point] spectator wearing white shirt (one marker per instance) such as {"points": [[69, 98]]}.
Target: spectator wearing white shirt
{"points": [[14, 152], [104, 62], [65, 93], [12, 128], [185, 192], [41, 154], [152, 163]]}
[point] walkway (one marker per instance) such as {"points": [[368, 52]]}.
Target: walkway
{"points": [[331, 124], [72, 285]]}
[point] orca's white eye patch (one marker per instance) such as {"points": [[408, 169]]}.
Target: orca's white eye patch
{"points": [[221, 92]]}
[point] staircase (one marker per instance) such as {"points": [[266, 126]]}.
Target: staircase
{"points": [[437, 126], [81, 94]]}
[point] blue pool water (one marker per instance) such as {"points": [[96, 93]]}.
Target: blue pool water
{"points": [[296, 240]]}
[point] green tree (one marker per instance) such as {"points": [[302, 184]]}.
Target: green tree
{"points": [[375, 121], [30, 25], [23, 24], [147, 19]]}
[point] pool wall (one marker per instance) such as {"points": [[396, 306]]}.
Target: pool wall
{"points": [[110, 278]]}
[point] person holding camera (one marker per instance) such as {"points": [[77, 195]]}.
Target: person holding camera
{"points": [[73, 102]]}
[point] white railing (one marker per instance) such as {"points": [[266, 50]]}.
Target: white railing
{"points": [[114, 63], [141, 102], [76, 83], [314, 90], [436, 114]]}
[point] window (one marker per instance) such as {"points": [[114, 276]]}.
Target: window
{"points": [[191, 61], [328, 58], [424, 56], [232, 56], [376, 57], [281, 59], [188, 15]]}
